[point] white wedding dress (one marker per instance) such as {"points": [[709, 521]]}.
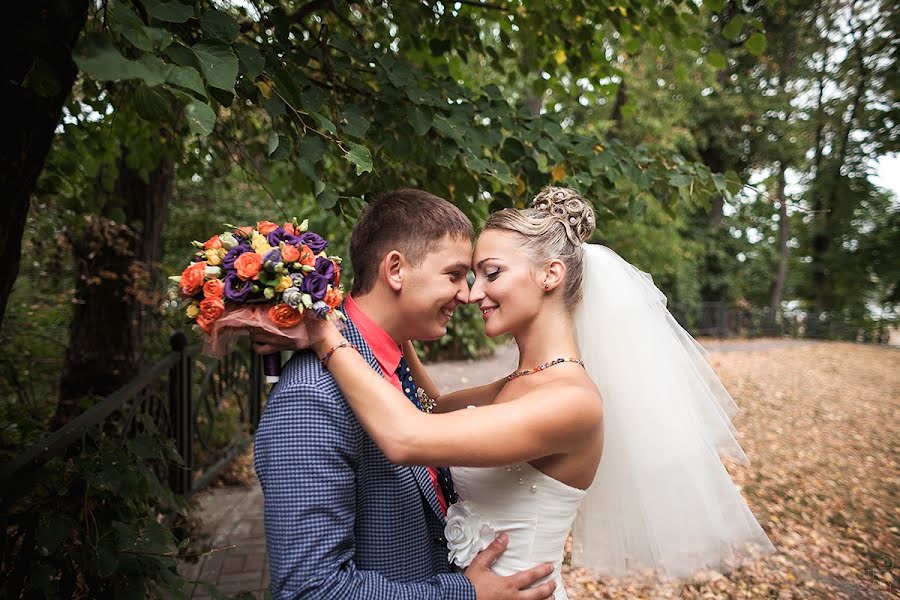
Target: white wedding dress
{"points": [[533, 509], [662, 501]]}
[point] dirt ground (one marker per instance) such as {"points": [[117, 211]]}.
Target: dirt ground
{"points": [[819, 423]]}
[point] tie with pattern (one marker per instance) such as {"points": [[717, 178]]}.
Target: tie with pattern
{"points": [[409, 389]]}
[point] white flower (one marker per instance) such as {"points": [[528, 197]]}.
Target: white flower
{"points": [[467, 533]]}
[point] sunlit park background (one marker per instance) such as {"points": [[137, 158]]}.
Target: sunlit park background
{"points": [[742, 152]]}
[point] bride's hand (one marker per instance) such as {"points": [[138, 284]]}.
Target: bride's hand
{"points": [[318, 332]]}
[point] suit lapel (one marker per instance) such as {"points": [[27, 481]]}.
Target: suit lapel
{"points": [[420, 474]]}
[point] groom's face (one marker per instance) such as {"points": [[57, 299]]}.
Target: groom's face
{"points": [[434, 288]]}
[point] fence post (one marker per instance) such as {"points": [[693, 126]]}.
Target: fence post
{"points": [[181, 416], [255, 389]]}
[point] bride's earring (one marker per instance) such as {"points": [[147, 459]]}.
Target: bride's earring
{"points": [[546, 286]]}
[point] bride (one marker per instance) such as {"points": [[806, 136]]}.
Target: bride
{"points": [[610, 428]]}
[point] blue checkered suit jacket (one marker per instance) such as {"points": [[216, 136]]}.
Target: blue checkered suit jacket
{"points": [[342, 521]]}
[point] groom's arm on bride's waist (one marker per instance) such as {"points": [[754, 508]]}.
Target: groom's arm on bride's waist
{"points": [[306, 453]]}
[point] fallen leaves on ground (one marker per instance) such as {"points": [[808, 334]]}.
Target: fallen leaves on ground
{"points": [[818, 421]]}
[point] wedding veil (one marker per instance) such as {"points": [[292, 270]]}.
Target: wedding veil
{"points": [[661, 500]]}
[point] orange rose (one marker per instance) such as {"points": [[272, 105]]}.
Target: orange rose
{"points": [[334, 297], [211, 309], [248, 265], [266, 227], [214, 288], [203, 323], [244, 232], [192, 279], [307, 257], [284, 316], [289, 227], [290, 253], [215, 242]]}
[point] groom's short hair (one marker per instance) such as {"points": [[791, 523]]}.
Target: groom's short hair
{"points": [[410, 221]]}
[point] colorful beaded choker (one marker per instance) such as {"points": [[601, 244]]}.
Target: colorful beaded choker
{"points": [[555, 361]]}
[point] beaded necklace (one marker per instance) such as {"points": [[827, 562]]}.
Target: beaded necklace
{"points": [[555, 361]]}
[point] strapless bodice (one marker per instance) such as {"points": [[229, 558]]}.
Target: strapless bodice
{"points": [[533, 509]]}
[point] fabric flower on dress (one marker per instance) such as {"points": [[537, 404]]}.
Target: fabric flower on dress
{"points": [[467, 533]]}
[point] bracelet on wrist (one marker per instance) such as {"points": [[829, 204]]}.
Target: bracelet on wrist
{"points": [[345, 344]]}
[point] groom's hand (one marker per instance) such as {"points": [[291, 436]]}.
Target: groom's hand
{"points": [[489, 586], [270, 343]]}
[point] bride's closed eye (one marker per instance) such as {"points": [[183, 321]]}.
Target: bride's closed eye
{"points": [[492, 275]]}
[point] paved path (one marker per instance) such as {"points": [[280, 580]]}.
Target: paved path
{"points": [[233, 516]]}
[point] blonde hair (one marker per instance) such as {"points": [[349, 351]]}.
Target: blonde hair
{"points": [[554, 228]]}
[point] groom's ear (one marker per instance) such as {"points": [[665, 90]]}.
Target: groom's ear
{"points": [[392, 267]]}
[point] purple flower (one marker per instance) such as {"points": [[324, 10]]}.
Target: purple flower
{"points": [[292, 297], [279, 235], [325, 268], [315, 241], [297, 279], [272, 258], [233, 254], [321, 309], [315, 285], [236, 289]]}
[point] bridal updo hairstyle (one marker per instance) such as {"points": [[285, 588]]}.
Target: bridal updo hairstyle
{"points": [[555, 226]]}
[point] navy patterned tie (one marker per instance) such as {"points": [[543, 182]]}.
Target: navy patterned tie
{"points": [[409, 389]]}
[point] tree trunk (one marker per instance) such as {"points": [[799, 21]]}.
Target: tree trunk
{"points": [[38, 53], [822, 238], [616, 116], [117, 269], [784, 233]]}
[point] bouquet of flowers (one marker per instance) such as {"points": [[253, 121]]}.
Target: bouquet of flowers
{"points": [[266, 277]]}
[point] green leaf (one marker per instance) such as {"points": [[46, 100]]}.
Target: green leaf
{"points": [[252, 62], [182, 55], [325, 123], [716, 60], [98, 58], [132, 28], [512, 150], [201, 118], [218, 63], [420, 120], [733, 29], [693, 43], [720, 182], [679, 180], [327, 198], [219, 25], [756, 44], [150, 104], [171, 12], [359, 155], [715, 5], [187, 78], [355, 124], [278, 148], [311, 149], [154, 70]]}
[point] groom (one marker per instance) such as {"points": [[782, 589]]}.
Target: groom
{"points": [[342, 521]]}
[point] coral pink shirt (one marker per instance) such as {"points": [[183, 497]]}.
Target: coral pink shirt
{"points": [[387, 354]]}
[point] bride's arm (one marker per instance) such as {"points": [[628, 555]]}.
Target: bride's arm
{"points": [[479, 396], [493, 435]]}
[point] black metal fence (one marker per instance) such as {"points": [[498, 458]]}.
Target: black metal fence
{"points": [[210, 407], [718, 319]]}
